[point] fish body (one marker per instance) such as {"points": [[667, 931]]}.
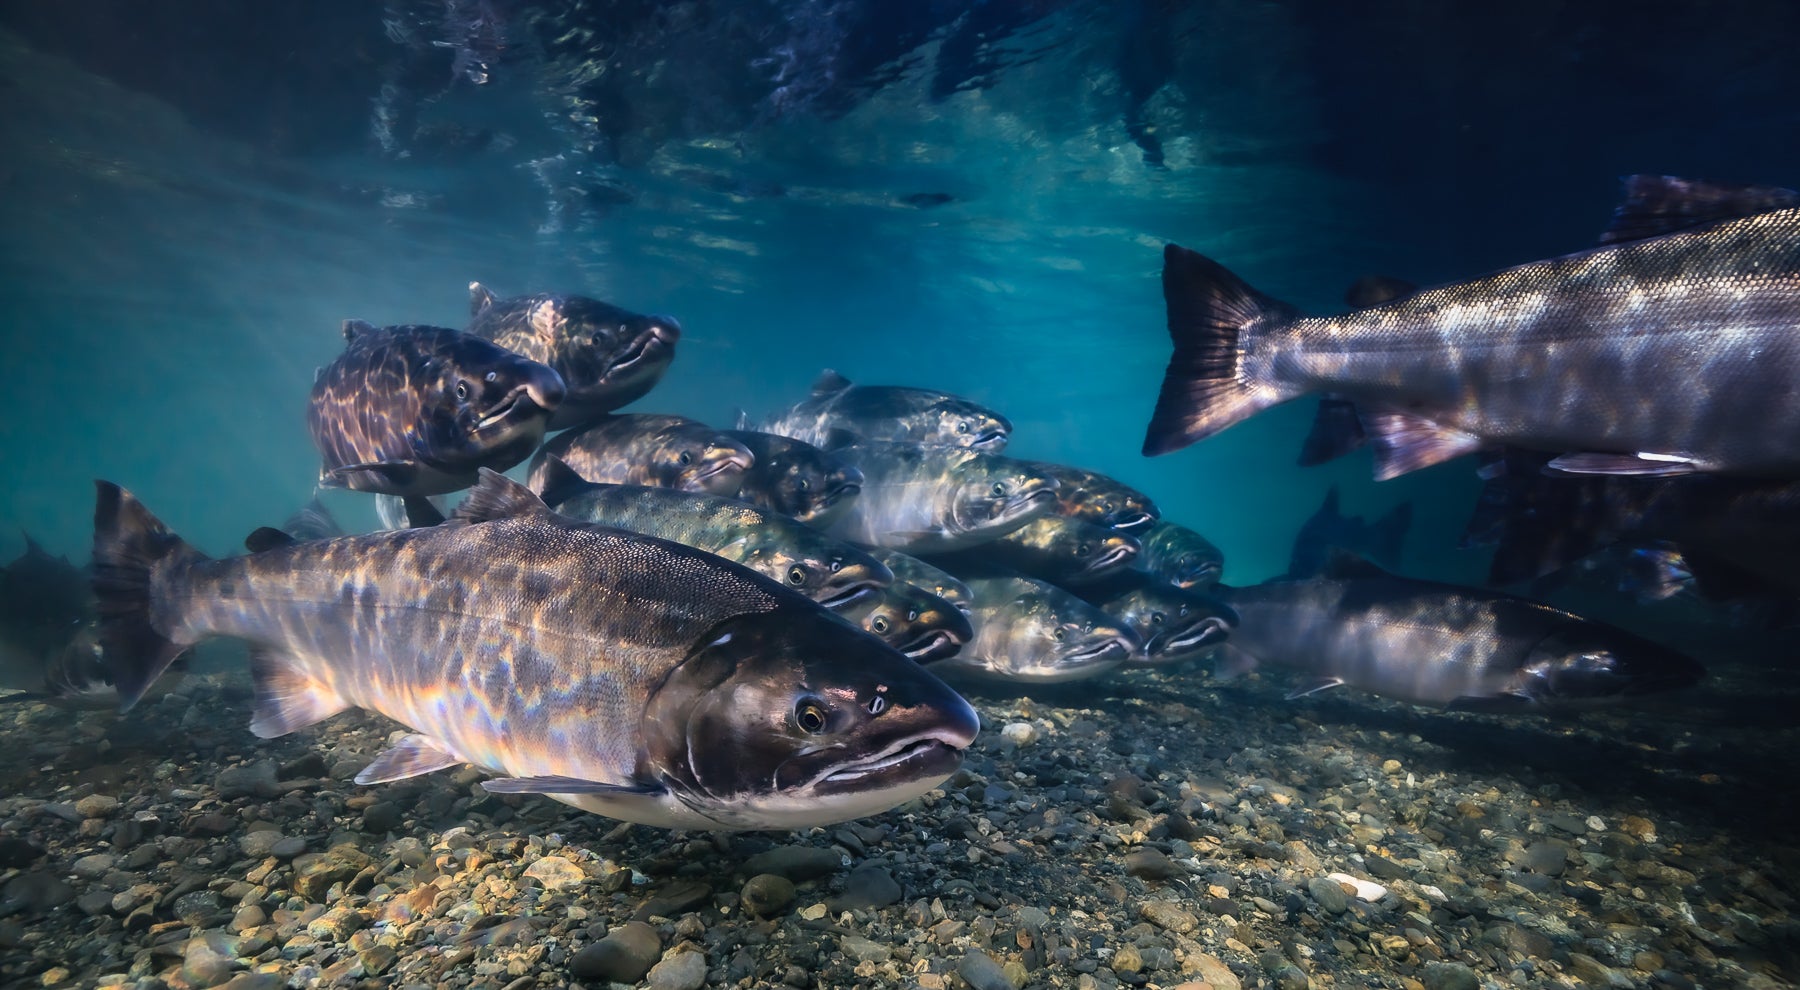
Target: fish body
{"points": [[911, 570], [1380, 541], [1443, 646], [1174, 623], [937, 499], [826, 570], [615, 672], [1666, 350], [889, 414], [418, 410], [1179, 555], [608, 357], [1054, 548], [1031, 631], [1095, 498], [650, 449], [795, 478], [912, 620]]}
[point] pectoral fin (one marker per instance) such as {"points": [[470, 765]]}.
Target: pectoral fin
{"points": [[565, 785], [393, 474], [410, 757], [1405, 443], [1642, 465], [1315, 686]]}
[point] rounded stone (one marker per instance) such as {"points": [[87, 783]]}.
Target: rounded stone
{"points": [[623, 956], [767, 894], [1449, 976], [1329, 894], [681, 971], [97, 806]]}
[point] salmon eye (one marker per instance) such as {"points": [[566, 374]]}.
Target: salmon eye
{"points": [[962, 427], [999, 489], [912, 615], [686, 458], [462, 391], [809, 715], [491, 377], [879, 625], [877, 705], [1058, 634], [796, 575], [1156, 618], [804, 484], [1082, 549]]}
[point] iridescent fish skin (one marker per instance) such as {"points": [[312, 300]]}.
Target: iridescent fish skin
{"points": [[618, 673], [608, 357], [911, 570], [417, 410], [937, 499], [1060, 550], [829, 571], [1034, 632], [650, 449], [1669, 349], [1174, 624], [796, 479], [912, 620], [889, 414], [1179, 556], [1095, 498], [1441, 645]]}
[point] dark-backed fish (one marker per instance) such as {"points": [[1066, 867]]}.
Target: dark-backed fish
{"points": [[1179, 555], [1093, 497], [1669, 349], [1058, 549], [1380, 541], [1031, 631], [1173, 623], [417, 410], [650, 449], [1441, 645], [911, 570], [608, 357], [912, 620], [795, 478], [889, 414], [827, 570], [936, 499], [619, 673]]}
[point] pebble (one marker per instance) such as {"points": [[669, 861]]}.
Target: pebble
{"points": [[864, 950], [681, 970], [1449, 976], [1366, 890], [983, 972], [1150, 863], [797, 863], [623, 956], [868, 886], [93, 867], [1329, 895], [255, 780], [97, 806], [1169, 916], [767, 894], [556, 873], [1019, 733], [1213, 971]]}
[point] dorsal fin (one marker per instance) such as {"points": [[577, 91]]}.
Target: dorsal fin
{"points": [[1342, 565], [560, 481], [1663, 204], [480, 298], [267, 538], [830, 381], [356, 328], [741, 421], [544, 317], [496, 496]]}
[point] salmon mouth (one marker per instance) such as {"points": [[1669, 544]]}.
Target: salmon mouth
{"points": [[1208, 632], [1132, 521], [519, 405], [989, 441], [938, 644], [910, 759], [649, 345], [1113, 557], [1207, 573], [1113, 650], [849, 593]]}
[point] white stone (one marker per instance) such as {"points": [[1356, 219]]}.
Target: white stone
{"points": [[1367, 890]]}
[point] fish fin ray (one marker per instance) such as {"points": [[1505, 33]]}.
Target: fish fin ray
{"points": [[552, 784], [397, 474], [829, 382], [286, 699], [1315, 686], [740, 419], [1233, 663], [267, 538], [131, 548], [496, 496], [1405, 443], [480, 298], [1664, 204], [412, 756], [1658, 466], [1336, 430], [558, 482], [1202, 391]]}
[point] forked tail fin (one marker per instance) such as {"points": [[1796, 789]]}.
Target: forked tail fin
{"points": [[131, 550], [1203, 391]]}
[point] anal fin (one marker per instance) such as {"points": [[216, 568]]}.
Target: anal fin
{"points": [[410, 757], [1641, 465], [1404, 443], [564, 785], [286, 698], [1315, 686]]}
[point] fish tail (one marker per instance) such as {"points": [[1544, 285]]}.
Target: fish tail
{"points": [[1203, 390], [133, 551]]}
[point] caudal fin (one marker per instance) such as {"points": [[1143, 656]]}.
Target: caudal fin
{"points": [[1203, 390], [131, 546]]}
